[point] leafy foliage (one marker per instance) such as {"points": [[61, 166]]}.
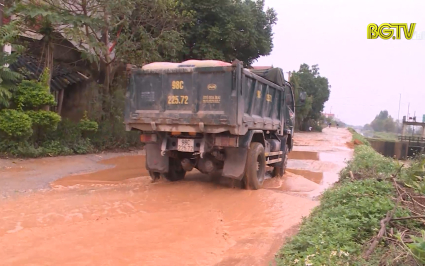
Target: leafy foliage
{"points": [[349, 215], [32, 94], [8, 78], [335, 231], [359, 138], [227, 30], [368, 163], [87, 125], [418, 247], [317, 88], [414, 176], [15, 124], [383, 122], [44, 119]]}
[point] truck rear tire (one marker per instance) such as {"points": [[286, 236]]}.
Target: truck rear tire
{"points": [[255, 169], [154, 175], [175, 171]]}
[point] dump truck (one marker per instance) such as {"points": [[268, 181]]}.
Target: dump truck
{"points": [[220, 118]]}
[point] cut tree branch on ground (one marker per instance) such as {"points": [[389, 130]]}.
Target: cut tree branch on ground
{"points": [[384, 222], [408, 218]]}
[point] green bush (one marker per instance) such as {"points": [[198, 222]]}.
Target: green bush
{"points": [[348, 216], [32, 94], [86, 125], [15, 124], [367, 163], [101, 128], [358, 137], [335, 231], [44, 119]]}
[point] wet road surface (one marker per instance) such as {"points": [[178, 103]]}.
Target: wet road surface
{"points": [[109, 212]]}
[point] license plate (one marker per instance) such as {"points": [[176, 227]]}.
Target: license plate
{"points": [[186, 145]]}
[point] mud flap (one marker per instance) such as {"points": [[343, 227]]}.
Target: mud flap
{"points": [[154, 161], [283, 143], [234, 165]]}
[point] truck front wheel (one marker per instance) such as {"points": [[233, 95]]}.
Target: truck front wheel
{"points": [[255, 167], [175, 170]]}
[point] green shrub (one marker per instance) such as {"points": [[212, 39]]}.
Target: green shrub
{"points": [[15, 124], [83, 146], [335, 231], [32, 94], [45, 119], [358, 137], [86, 125], [349, 214], [55, 148], [367, 163]]}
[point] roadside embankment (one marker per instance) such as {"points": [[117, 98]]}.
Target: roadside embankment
{"points": [[369, 218]]}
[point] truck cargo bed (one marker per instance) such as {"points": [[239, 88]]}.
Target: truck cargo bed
{"points": [[203, 99]]}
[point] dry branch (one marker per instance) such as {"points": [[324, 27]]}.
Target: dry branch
{"points": [[384, 222], [408, 218]]}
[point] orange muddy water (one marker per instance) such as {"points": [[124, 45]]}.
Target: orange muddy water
{"points": [[111, 214]]}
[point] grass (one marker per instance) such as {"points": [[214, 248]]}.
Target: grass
{"points": [[339, 230], [357, 138]]}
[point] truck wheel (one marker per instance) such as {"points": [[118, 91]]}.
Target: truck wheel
{"points": [[175, 171], [280, 171], [255, 167], [154, 175]]}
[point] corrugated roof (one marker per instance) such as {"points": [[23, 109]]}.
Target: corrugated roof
{"points": [[62, 76]]}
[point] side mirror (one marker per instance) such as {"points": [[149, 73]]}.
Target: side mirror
{"points": [[303, 96]]}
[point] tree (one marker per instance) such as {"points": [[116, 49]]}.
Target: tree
{"points": [[227, 30], [302, 109], [106, 32], [317, 88], [383, 122], [8, 78]]}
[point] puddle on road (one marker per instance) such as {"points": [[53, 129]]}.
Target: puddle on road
{"points": [[303, 155], [126, 167], [316, 177]]}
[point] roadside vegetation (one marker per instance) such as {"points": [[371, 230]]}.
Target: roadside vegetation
{"points": [[373, 216], [357, 138], [108, 35]]}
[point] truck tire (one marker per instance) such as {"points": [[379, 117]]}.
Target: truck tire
{"points": [[175, 171], [154, 175], [255, 169]]}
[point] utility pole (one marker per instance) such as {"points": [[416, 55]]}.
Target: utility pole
{"points": [[408, 114], [399, 104]]}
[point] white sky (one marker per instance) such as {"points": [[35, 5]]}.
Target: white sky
{"points": [[366, 76]]}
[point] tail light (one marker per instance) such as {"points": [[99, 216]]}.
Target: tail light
{"points": [[226, 141], [148, 138]]}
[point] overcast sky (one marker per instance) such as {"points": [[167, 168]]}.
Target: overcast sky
{"points": [[366, 75]]}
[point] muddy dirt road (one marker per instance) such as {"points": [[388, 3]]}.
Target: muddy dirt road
{"points": [[103, 210]]}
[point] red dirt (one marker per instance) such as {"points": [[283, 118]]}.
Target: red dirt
{"points": [[118, 217]]}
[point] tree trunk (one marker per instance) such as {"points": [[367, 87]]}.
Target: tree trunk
{"points": [[106, 82], [60, 101], [49, 65]]}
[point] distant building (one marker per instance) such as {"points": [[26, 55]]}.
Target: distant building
{"points": [[328, 115]]}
